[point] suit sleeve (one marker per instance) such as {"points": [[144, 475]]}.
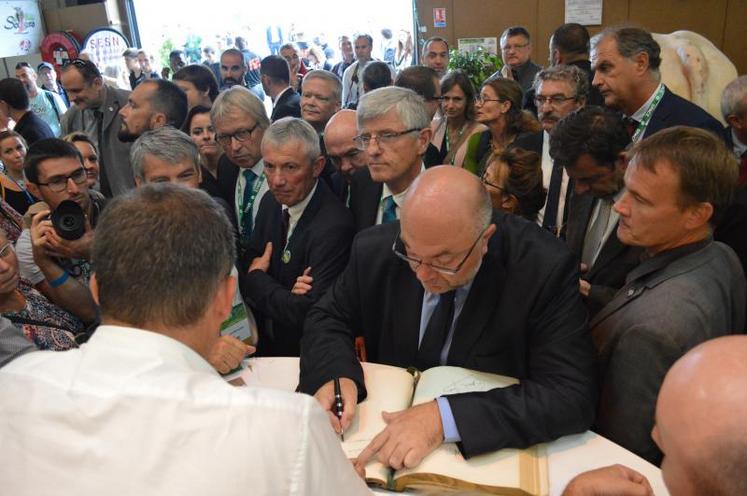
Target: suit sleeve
{"points": [[557, 395], [632, 379], [327, 346], [328, 252]]}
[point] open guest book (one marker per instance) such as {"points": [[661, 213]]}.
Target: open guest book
{"points": [[507, 472]]}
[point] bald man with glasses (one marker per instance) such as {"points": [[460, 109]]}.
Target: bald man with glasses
{"points": [[453, 283]]}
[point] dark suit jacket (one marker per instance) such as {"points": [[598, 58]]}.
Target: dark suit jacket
{"points": [[321, 240], [228, 174], [523, 317], [33, 128], [673, 110], [433, 156], [365, 195], [288, 105], [670, 303], [614, 262]]}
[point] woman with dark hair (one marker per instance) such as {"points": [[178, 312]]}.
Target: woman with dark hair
{"points": [[12, 181], [498, 106], [199, 83], [199, 127], [458, 107], [47, 325], [513, 179], [87, 149]]}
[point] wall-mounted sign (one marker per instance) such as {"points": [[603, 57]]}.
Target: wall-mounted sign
{"points": [[466, 45], [57, 48], [105, 46], [439, 17], [21, 29], [585, 12]]}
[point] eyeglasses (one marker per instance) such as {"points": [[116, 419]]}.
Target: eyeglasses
{"points": [[415, 263], [240, 135], [386, 138], [514, 47], [58, 183], [554, 100], [479, 100], [6, 249], [488, 183]]}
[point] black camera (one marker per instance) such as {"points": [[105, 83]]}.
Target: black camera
{"points": [[69, 220]]}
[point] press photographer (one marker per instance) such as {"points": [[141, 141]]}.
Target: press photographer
{"points": [[54, 248]]}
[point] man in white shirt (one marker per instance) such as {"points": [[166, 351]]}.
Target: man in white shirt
{"points": [[240, 121], [394, 129], [589, 144], [301, 240], [46, 104], [138, 409], [352, 78]]}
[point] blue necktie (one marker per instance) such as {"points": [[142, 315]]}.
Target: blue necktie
{"points": [[390, 210], [436, 332], [247, 202]]}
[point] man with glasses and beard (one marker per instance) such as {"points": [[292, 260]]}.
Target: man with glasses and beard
{"points": [[454, 283]]}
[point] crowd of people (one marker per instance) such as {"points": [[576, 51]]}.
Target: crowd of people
{"points": [[578, 227]]}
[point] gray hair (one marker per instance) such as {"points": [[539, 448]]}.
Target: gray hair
{"points": [[165, 143], [731, 98], [292, 129], [325, 76], [183, 234], [571, 74], [630, 42], [239, 99], [409, 105]]}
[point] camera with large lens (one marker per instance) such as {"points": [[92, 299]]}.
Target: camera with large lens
{"points": [[69, 220]]}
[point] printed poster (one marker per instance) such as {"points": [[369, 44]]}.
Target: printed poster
{"points": [[21, 28], [439, 17]]}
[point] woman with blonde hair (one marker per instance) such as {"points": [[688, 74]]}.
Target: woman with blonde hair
{"points": [[498, 106]]}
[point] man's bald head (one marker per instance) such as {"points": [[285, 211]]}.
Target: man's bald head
{"points": [[338, 141], [701, 412], [447, 196], [445, 224]]}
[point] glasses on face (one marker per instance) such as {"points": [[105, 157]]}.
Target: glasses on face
{"points": [[479, 100], [554, 100], [415, 263], [485, 181], [517, 46], [6, 249], [386, 138], [240, 135], [58, 183]]}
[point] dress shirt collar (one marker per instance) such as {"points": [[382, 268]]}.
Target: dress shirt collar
{"points": [[275, 101], [152, 344], [650, 264], [399, 198], [638, 115], [739, 147], [296, 211]]}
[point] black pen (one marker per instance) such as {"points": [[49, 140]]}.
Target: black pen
{"points": [[338, 406]]}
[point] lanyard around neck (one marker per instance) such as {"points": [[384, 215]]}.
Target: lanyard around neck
{"points": [[643, 123]]}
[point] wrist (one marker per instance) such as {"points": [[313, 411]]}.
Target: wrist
{"points": [[60, 280]]}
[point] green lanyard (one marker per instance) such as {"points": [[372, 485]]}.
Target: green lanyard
{"points": [[247, 209], [647, 116]]}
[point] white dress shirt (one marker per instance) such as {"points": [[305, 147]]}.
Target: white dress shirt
{"points": [[547, 166], [259, 170], [399, 199], [136, 412], [638, 115], [296, 211]]}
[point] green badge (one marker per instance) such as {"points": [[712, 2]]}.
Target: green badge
{"points": [[286, 256]]}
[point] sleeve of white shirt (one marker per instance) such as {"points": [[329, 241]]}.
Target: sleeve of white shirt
{"points": [[324, 467], [27, 268], [347, 80]]}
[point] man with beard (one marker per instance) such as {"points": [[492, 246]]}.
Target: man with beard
{"points": [[154, 103], [47, 105], [559, 91]]}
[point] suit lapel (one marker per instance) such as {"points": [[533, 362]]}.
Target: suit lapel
{"points": [[661, 114], [611, 249], [406, 295], [110, 110], [578, 219], [486, 290]]}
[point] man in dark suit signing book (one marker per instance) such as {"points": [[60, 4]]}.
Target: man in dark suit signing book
{"points": [[456, 284]]}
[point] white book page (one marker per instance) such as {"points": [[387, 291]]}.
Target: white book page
{"points": [[509, 468]]}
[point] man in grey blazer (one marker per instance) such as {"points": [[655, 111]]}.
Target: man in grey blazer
{"points": [[687, 289], [95, 111]]}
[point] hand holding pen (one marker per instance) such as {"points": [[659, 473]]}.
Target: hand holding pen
{"points": [[339, 406], [342, 411]]}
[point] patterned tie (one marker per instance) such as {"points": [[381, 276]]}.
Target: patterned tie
{"points": [[434, 339], [247, 202], [390, 210]]}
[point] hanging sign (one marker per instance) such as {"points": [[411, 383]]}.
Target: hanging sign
{"points": [[21, 29]]}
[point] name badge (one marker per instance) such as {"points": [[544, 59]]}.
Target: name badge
{"points": [[286, 256]]}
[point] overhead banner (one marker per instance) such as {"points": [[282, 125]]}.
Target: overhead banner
{"points": [[22, 29]]}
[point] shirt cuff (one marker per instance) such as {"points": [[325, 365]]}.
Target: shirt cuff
{"points": [[451, 433]]}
